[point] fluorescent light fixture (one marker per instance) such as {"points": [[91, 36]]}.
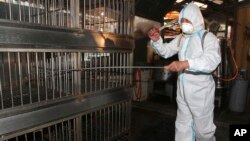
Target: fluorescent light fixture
{"points": [[201, 5], [218, 2], [178, 1]]}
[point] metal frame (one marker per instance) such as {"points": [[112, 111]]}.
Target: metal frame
{"points": [[114, 16], [104, 123], [34, 77], [59, 82], [60, 13], [110, 16]]}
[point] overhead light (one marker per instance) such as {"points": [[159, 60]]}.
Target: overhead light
{"points": [[178, 1], [201, 5], [217, 1], [102, 13], [172, 15]]}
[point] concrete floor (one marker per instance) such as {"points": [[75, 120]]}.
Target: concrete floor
{"points": [[153, 120]]}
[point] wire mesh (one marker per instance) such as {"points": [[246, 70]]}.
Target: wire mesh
{"points": [[103, 124]]}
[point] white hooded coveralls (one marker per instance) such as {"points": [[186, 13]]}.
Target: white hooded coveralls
{"points": [[195, 85]]}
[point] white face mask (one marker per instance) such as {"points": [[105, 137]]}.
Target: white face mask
{"points": [[187, 28]]}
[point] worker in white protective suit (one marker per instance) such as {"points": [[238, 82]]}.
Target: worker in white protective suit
{"points": [[195, 84]]}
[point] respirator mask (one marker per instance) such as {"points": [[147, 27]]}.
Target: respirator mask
{"points": [[187, 28]]}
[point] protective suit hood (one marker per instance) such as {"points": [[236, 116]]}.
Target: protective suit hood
{"points": [[193, 14]]}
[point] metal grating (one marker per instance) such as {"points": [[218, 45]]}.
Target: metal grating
{"points": [[111, 122]]}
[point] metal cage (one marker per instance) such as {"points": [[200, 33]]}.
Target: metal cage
{"points": [[60, 80], [110, 122], [113, 16], [41, 76], [49, 12]]}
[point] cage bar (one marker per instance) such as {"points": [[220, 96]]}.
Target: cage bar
{"points": [[45, 76], [51, 64]]}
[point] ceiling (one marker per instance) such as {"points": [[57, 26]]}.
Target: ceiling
{"points": [[153, 9], [156, 9]]}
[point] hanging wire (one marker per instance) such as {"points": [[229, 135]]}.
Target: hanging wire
{"points": [[236, 69]]}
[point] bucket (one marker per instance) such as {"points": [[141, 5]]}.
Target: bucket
{"points": [[238, 96]]}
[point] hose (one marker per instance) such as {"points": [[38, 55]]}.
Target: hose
{"points": [[138, 85], [236, 69]]}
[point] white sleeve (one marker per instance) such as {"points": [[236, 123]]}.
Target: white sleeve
{"points": [[166, 50], [211, 57]]}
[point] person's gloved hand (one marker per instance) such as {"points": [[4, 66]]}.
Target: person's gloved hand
{"points": [[154, 34], [177, 66]]}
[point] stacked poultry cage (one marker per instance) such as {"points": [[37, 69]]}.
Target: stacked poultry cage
{"points": [[64, 69]]}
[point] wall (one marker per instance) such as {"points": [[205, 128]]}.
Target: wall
{"points": [[242, 42]]}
